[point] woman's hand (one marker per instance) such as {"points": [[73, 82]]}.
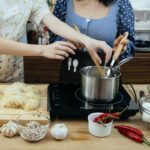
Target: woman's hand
{"points": [[62, 29], [58, 50], [93, 46]]}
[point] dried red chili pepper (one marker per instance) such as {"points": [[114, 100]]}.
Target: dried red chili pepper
{"points": [[103, 118], [108, 117], [131, 135], [96, 119], [129, 128], [134, 136], [118, 114], [104, 115]]}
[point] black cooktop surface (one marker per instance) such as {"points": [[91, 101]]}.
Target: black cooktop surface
{"points": [[66, 101]]}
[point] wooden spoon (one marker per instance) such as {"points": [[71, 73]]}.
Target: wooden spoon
{"points": [[100, 69], [119, 49]]}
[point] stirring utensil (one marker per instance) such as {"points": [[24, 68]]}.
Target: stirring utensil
{"points": [[100, 69], [123, 61], [105, 63], [117, 53]]}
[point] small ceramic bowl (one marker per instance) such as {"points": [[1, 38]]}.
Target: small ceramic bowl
{"points": [[99, 130]]}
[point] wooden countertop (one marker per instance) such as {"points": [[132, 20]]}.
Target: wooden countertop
{"points": [[79, 138]]}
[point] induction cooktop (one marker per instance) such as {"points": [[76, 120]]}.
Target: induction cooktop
{"points": [[66, 101]]}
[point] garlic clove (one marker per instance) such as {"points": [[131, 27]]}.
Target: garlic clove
{"points": [[14, 130], [7, 132], [10, 134], [59, 131], [10, 129], [13, 126], [3, 128]]}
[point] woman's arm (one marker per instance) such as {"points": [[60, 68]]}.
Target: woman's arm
{"points": [[40, 12], [126, 24], [57, 50], [62, 29]]}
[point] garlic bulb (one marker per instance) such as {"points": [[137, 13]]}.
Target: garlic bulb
{"points": [[59, 131], [10, 129]]}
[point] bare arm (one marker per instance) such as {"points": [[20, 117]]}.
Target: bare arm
{"points": [[58, 50], [15, 48], [62, 29]]}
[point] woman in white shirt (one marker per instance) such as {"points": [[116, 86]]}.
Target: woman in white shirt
{"points": [[14, 15]]}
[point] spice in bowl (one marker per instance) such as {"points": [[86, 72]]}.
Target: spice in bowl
{"points": [[108, 117], [35, 129], [97, 127], [100, 124]]}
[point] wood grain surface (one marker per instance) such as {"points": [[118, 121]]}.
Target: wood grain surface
{"points": [[79, 137]]}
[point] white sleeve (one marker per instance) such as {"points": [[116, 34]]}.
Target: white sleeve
{"points": [[39, 9]]}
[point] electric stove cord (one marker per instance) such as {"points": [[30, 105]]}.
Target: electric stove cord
{"points": [[132, 92]]}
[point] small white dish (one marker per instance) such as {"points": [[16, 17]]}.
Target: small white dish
{"points": [[99, 130]]}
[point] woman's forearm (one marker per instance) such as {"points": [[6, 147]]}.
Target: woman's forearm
{"points": [[57, 50], [62, 29], [18, 49]]}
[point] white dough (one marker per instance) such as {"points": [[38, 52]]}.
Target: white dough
{"points": [[19, 95]]}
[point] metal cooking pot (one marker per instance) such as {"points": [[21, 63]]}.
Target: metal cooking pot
{"points": [[95, 88]]}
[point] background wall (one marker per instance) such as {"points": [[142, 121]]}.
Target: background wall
{"points": [[140, 4]]}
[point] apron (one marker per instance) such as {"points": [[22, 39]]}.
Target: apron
{"points": [[70, 67]]}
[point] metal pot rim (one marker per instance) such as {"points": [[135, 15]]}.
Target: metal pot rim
{"points": [[87, 67]]}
